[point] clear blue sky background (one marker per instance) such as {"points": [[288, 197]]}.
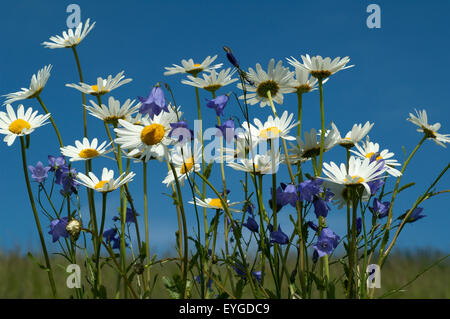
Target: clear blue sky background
{"points": [[399, 67]]}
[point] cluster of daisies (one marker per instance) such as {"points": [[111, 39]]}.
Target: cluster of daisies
{"points": [[150, 128]]}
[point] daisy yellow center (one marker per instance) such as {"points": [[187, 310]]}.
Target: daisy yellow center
{"points": [[187, 166], [197, 65], [266, 86], [100, 184], [89, 153], [18, 126], [153, 134], [270, 132], [358, 181], [215, 202], [369, 155], [94, 87]]}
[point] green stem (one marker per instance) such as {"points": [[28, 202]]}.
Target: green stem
{"points": [[51, 120], [99, 241], [36, 219], [82, 93], [147, 237]]}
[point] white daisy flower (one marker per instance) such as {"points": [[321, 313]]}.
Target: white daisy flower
{"points": [[86, 150], [188, 66], [242, 147], [23, 123], [264, 164], [305, 83], [103, 86], [352, 137], [341, 194], [311, 146], [369, 149], [107, 183], [319, 67], [149, 139], [185, 161], [37, 84], [213, 81], [215, 203], [277, 127], [70, 38], [113, 111], [421, 120], [137, 118], [278, 80], [359, 172]]}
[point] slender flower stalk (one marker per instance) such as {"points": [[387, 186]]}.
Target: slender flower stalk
{"points": [[99, 241], [77, 60], [147, 238], [322, 123], [51, 120], [36, 219]]}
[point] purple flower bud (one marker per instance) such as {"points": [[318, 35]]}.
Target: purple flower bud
{"points": [[310, 188], [251, 224], [380, 209], [279, 237]]}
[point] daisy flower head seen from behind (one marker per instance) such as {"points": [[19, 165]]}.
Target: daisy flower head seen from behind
{"points": [[310, 147], [304, 82], [150, 139], [107, 183], [278, 80], [102, 86], [213, 81], [372, 151], [85, 150], [114, 111], [37, 84], [357, 133], [185, 161], [321, 68], [20, 124], [421, 120], [359, 172], [188, 66], [262, 164], [71, 37]]}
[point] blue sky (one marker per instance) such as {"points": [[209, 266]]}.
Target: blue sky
{"points": [[399, 67]]}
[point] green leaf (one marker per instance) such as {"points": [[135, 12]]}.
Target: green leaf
{"points": [[208, 169], [43, 267]]}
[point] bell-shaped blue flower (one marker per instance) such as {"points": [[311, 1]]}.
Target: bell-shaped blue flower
{"points": [[154, 103], [218, 104]]}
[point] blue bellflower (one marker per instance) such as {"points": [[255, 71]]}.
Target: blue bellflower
{"points": [[39, 173], [181, 131], [57, 165], [287, 195], [154, 103], [326, 243], [129, 217], [58, 228], [227, 130], [278, 236], [310, 188], [218, 104], [111, 235], [379, 209], [68, 181], [415, 215], [251, 224]]}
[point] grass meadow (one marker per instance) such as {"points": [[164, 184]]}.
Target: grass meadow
{"points": [[20, 277]]}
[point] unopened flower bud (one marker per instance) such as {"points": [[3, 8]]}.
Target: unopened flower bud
{"points": [[74, 228]]}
